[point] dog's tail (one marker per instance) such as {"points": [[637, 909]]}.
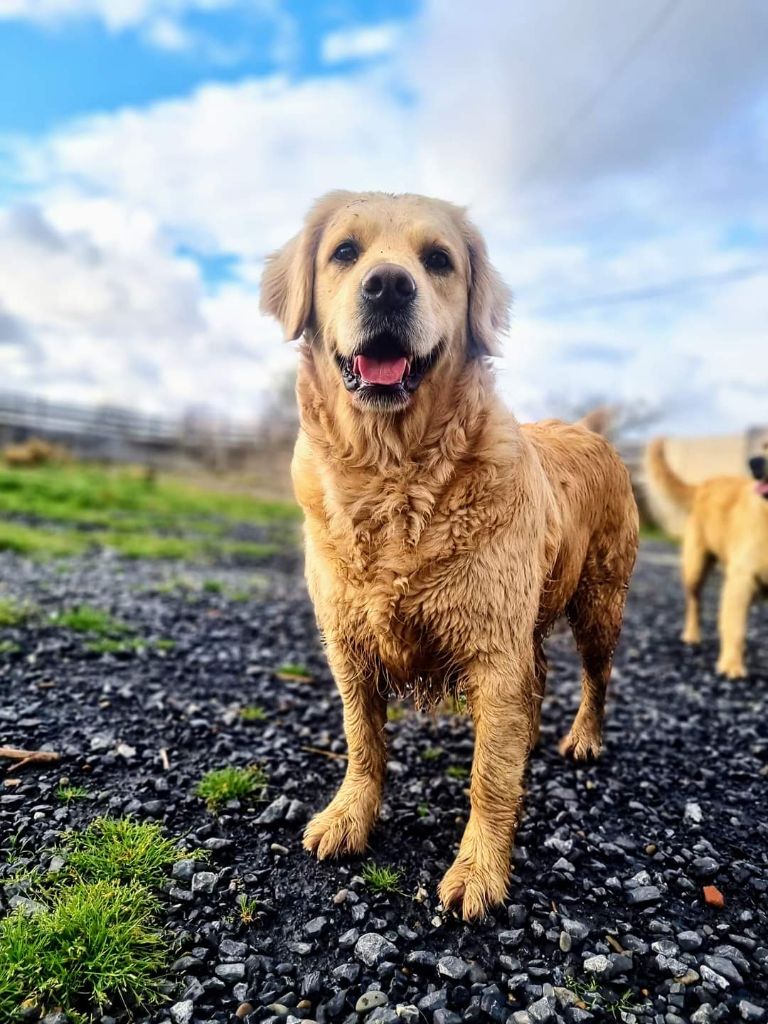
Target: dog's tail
{"points": [[669, 496]]}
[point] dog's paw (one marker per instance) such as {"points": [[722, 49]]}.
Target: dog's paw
{"points": [[337, 832], [471, 889], [691, 637], [732, 667], [582, 744]]}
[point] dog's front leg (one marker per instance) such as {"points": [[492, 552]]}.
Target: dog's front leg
{"points": [[345, 824], [503, 701]]}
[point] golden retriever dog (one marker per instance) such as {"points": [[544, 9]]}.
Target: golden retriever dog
{"points": [[727, 522], [442, 539]]}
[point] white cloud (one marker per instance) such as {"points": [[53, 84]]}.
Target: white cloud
{"points": [[116, 15], [635, 195], [361, 43]]}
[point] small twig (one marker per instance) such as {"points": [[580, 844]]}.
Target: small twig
{"points": [[164, 759], [27, 756], [326, 753]]}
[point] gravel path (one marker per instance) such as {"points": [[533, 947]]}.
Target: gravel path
{"points": [[606, 919]]}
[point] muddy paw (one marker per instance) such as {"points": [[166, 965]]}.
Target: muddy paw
{"points": [[337, 832], [581, 745], [731, 667], [471, 889]]}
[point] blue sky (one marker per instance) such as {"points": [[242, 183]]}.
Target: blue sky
{"points": [[153, 151]]}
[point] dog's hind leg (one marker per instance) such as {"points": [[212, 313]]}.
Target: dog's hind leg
{"points": [[595, 612], [540, 683], [695, 568]]}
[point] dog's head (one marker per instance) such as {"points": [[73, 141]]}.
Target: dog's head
{"points": [[390, 290]]}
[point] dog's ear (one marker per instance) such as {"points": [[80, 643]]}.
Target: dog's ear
{"points": [[287, 284], [489, 298]]}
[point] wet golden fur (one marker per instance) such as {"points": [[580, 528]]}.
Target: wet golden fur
{"points": [[727, 522], [443, 541]]}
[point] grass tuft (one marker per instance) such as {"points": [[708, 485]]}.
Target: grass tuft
{"points": [[13, 613], [70, 793], [252, 714], [381, 879], [92, 943], [457, 771], [121, 850], [223, 784], [85, 618], [9, 647], [431, 753]]}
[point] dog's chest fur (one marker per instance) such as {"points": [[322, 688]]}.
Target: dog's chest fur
{"points": [[392, 564]]}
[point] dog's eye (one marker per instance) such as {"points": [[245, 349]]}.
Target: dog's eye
{"points": [[345, 253], [437, 260]]}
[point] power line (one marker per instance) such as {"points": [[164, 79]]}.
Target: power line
{"points": [[591, 101]]}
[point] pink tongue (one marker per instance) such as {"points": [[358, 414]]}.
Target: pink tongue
{"points": [[762, 488], [381, 371]]}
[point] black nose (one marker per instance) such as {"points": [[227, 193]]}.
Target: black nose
{"points": [[387, 287], [758, 467]]}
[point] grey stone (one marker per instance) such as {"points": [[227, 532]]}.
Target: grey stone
{"points": [[599, 965], [369, 1001], [183, 869], [749, 1011], [725, 968], [182, 1012], [275, 812], [689, 941], [452, 967], [707, 974], [576, 929], [233, 950], [510, 939], [644, 894], [230, 972], [408, 1012], [543, 1010], [374, 949], [204, 881]]}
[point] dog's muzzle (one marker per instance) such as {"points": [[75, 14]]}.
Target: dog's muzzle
{"points": [[758, 465]]}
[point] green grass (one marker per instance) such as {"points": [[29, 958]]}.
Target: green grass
{"points": [[98, 496], [457, 771], [253, 714], [9, 647], [248, 909], [396, 713], [13, 613], [94, 944], [213, 587], [293, 671], [139, 518], [381, 879], [121, 850], [423, 810], [84, 618], [431, 753], [220, 785], [69, 793]]}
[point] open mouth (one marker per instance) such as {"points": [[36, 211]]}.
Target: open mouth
{"points": [[383, 373], [759, 466]]}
